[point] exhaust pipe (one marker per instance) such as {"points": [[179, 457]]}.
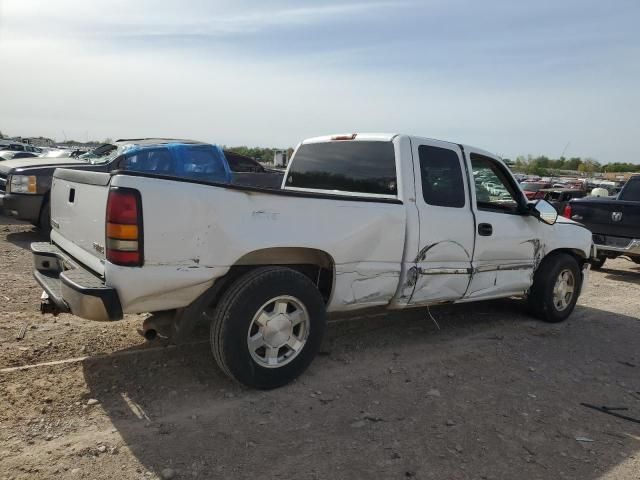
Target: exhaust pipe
{"points": [[150, 334], [157, 325]]}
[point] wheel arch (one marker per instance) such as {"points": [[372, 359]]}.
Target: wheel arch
{"points": [[576, 253], [46, 199], [316, 264]]}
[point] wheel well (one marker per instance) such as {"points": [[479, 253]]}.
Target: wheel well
{"points": [[577, 254], [45, 201], [315, 264]]}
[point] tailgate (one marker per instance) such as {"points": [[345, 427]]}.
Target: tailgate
{"points": [[78, 209], [608, 217]]}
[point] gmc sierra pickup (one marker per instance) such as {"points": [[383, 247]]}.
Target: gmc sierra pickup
{"points": [[361, 220], [614, 222]]}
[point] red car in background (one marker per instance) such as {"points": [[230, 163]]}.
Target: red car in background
{"points": [[532, 189]]}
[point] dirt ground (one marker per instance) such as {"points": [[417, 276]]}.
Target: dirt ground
{"points": [[489, 394]]}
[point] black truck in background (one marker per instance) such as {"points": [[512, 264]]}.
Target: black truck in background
{"points": [[614, 222]]}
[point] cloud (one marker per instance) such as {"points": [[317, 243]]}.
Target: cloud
{"points": [[506, 78]]}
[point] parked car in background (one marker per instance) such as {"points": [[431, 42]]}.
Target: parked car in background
{"points": [[559, 197], [10, 154], [532, 189], [614, 222], [361, 220], [57, 153], [18, 146], [25, 184]]}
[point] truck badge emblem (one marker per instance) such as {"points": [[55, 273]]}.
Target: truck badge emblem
{"points": [[616, 216]]}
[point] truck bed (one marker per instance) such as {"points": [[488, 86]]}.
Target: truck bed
{"points": [[194, 231]]}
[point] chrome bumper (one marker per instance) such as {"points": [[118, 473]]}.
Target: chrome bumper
{"points": [[69, 287], [632, 248]]}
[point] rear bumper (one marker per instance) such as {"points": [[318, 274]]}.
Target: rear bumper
{"points": [[72, 288], [620, 245], [25, 206]]}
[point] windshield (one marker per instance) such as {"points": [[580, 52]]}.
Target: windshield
{"points": [[102, 154]]}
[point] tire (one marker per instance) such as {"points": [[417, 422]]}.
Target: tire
{"points": [[261, 307], [44, 223], [598, 263], [543, 302]]}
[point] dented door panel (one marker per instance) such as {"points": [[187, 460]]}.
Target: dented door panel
{"points": [[443, 263]]}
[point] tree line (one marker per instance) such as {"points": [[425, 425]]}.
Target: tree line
{"points": [[543, 165]]}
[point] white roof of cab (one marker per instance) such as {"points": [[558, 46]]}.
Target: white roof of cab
{"points": [[387, 137], [379, 137]]}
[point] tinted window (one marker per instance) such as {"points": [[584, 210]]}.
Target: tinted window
{"points": [[240, 163], [442, 182], [348, 166], [532, 187], [494, 190], [631, 191]]}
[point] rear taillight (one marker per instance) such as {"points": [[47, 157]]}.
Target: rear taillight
{"points": [[567, 211], [124, 227]]}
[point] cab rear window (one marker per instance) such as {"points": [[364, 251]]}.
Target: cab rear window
{"points": [[345, 166], [631, 191]]}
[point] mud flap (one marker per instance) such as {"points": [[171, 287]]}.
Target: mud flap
{"points": [[185, 320]]}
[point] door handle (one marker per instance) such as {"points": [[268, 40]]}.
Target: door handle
{"points": [[485, 229]]}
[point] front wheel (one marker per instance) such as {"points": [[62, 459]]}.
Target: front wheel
{"points": [[268, 326], [556, 286]]}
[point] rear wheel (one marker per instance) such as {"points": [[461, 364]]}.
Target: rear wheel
{"points": [[556, 287], [267, 328], [597, 263]]}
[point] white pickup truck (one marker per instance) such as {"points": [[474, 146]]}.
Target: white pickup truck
{"points": [[361, 220]]}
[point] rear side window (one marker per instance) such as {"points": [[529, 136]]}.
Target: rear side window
{"points": [[345, 166], [204, 163], [442, 183], [158, 160]]}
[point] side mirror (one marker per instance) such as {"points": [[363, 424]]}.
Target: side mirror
{"points": [[545, 212]]}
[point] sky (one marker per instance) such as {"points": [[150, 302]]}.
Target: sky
{"points": [[513, 78]]}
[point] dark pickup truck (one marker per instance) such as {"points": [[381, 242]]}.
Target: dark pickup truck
{"points": [[25, 183], [614, 222]]}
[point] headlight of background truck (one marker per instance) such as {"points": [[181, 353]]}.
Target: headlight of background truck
{"points": [[22, 184]]}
